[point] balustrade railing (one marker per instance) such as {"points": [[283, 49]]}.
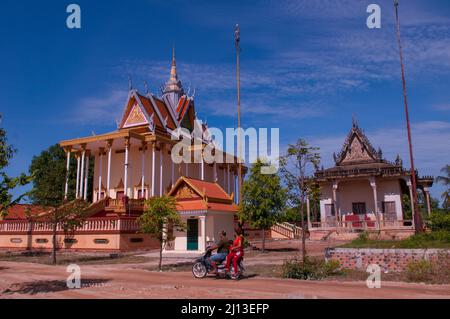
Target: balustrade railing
{"points": [[364, 224], [361, 171], [116, 224]]}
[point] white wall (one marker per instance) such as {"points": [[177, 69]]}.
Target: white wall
{"points": [[135, 171], [360, 191]]}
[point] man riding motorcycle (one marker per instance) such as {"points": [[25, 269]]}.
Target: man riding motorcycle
{"points": [[222, 246]]}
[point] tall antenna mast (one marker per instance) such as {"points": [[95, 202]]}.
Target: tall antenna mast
{"points": [[418, 224], [237, 37]]}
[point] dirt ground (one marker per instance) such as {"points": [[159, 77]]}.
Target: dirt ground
{"points": [[26, 280], [134, 276]]}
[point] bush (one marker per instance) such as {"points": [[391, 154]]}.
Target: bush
{"points": [[441, 236], [419, 271], [364, 236], [439, 221], [310, 269]]}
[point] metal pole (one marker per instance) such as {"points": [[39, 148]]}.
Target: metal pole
{"points": [[238, 76], [418, 225]]}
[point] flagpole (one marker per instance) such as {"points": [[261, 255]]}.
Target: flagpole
{"points": [[418, 225], [238, 78]]}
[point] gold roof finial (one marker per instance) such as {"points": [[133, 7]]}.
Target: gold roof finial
{"points": [[173, 70], [174, 63]]}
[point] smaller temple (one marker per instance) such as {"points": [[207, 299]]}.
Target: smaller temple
{"points": [[363, 188]]}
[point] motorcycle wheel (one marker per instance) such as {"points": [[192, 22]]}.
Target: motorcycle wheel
{"points": [[199, 270]]}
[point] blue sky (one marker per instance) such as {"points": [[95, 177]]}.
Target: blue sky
{"points": [[307, 67]]}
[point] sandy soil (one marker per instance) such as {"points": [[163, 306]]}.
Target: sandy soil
{"points": [[133, 279], [26, 280]]}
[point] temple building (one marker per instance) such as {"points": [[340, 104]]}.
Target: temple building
{"points": [[364, 188], [134, 163]]}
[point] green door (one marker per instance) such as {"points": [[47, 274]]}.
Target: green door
{"points": [[192, 234]]}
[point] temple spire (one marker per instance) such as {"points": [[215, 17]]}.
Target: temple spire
{"points": [[173, 90], [173, 69], [354, 121]]}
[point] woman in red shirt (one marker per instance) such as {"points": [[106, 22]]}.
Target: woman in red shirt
{"points": [[236, 251]]}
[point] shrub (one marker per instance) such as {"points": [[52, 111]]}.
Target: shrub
{"points": [[439, 221], [419, 271], [435, 238], [311, 269], [364, 236]]}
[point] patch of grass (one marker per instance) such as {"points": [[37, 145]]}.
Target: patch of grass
{"points": [[435, 239], [311, 269], [434, 272], [419, 271]]}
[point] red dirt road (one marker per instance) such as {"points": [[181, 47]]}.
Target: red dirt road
{"points": [[26, 280]]}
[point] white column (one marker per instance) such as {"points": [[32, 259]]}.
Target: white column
{"points": [[125, 173], [86, 177], [144, 147], [236, 188], [66, 188], [202, 168], [202, 243], [108, 179], [153, 168], [411, 199], [100, 173], [173, 172], [77, 191], [228, 179], [215, 171], [83, 155], [373, 184], [336, 210], [427, 198], [161, 150]]}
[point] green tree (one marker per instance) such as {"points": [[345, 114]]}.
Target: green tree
{"points": [[294, 168], [159, 213], [263, 200], [8, 183], [66, 217], [445, 180], [49, 171]]}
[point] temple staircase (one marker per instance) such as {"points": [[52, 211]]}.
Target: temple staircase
{"points": [[286, 231]]}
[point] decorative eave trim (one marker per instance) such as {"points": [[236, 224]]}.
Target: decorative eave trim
{"points": [[155, 107], [171, 111]]}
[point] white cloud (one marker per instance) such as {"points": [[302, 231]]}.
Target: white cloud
{"points": [[442, 107], [106, 109]]}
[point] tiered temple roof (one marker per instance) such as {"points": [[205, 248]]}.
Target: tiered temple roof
{"points": [[358, 158]]}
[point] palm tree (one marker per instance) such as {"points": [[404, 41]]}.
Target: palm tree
{"points": [[445, 180]]}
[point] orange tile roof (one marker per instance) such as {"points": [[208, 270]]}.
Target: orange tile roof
{"points": [[209, 189], [223, 207], [197, 204], [212, 196], [150, 109], [20, 211], [180, 104], [165, 113]]}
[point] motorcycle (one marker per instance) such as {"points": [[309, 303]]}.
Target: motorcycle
{"points": [[203, 267]]}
